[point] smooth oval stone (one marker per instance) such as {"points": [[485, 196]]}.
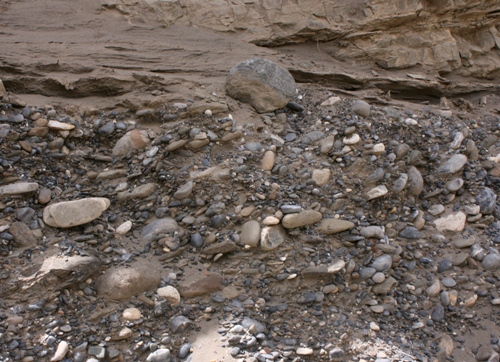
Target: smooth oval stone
{"points": [[454, 185], [491, 262], [333, 226], [449, 282], [250, 233], [382, 263], [18, 188], [454, 164], [271, 237], [303, 218], [77, 212]]}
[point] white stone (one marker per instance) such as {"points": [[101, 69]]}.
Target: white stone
{"points": [[124, 228], [452, 222], [77, 212], [131, 314], [62, 349], [271, 220], [60, 126], [170, 293], [376, 192], [352, 139], [330, 101], [321, 177], [304, 351]]}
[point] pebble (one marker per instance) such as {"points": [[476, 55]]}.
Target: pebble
{"points": [[159, 228], [410, 232], [491, 262], [304, 351], [140, 192], [133, 140], [351, 139], [415, 181], [184, 191], [160, 355], [382, 263], [372, 232], [250, 233], [461, 243], [124, 228], [454, 185]]}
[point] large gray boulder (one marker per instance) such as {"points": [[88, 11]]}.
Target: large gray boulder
{"points": [[266, 86]]}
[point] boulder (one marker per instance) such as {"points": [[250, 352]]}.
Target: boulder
{"points": [[265, 85]]}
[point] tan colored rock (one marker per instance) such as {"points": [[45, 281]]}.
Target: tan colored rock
{"points": [[140, 192], [18, 188], [60, 126], [122, 283], [77, 212], [2, 89], [170, 293], [135, 139], [271, 237], [268, 161], [333, 226], [206, 285], [250, 233], [303, 218], [321, 177]]}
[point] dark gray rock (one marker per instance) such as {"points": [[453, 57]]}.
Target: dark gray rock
{"points": [[410, 232], [437, 314], [261, 83], [486, 199]]}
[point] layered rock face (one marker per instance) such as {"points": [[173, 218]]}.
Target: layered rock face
{"points": [[441, 35]]}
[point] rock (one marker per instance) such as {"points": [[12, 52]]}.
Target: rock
{"points": [[268, 161], [376, 192], [140, 192], [254, 325], [223, 247], [372, 232], [312, 137], [486, 199], [415, 181], [410, 232], [304, 351], [272, 236], [400, 184], [44, 196], [170, 293], [435, 210], [454, 185], [437, 314], [2, 89], [382, 263], [454, 164], [184, 351], [303, 218], [352, 139], [361, 108], [77, 212], [319, 271], [491, 262], [434, 289], [60, 126], [131, 314], [22, 234], [261, 83], [184, 191], [326, 144], [160, 355], [124, 228], [122, 283], [446, 345], [18, 188], [250, 233], [159, 228], [333, 226], [385, 287], [61, 351], [206, 285], [59, 272], [463, 243], [375, 176], [133, 140], [321, 177], [452, 222], [291, 209]]}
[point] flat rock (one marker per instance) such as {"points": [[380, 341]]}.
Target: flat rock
{"points": [[263, 84], [250, 233], [159, 228], [385, 287], [223, 247], [410, 232], [160, 355], [58, 272], [454, 164], [271, 237], [372, 232], [18, 188], [205, 285], [333, 226], [452, 222], [463, 243], [133, 140], [122, 283], [140, 192], [77, 212], [303, 218], [323, 270]]}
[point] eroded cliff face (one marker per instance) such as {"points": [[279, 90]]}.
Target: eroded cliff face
{"points": [[440, 35]]}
